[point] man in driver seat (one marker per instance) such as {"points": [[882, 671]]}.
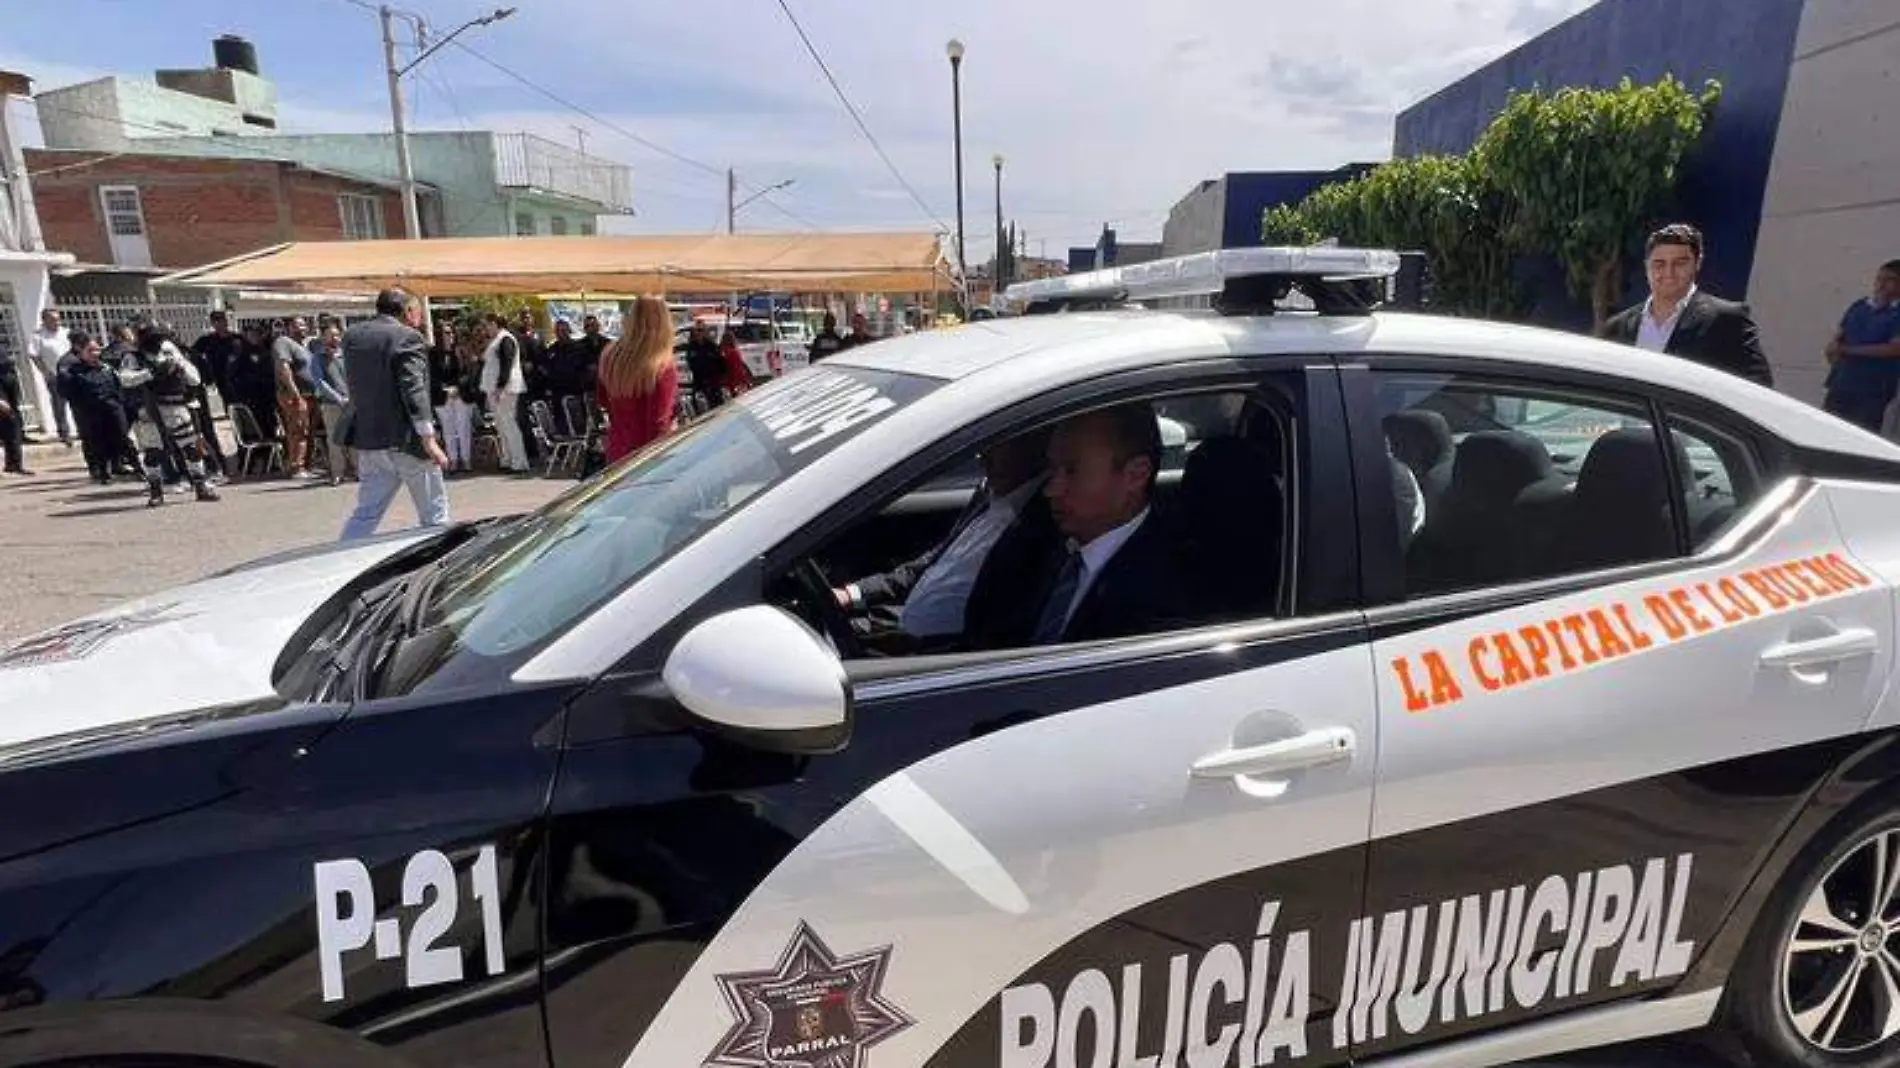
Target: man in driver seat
{"points": [[965, 583]]}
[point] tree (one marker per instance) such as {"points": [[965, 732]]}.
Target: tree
{"points": [[1440, 205], [1587, 170], [1578, 175]]}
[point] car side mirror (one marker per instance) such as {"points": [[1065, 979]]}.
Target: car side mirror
{"points": [[761, 677]]}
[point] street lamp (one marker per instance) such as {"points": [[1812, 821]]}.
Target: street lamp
{"points": [[732, 189], [411, 219], [1000, 281], [955, 51]]}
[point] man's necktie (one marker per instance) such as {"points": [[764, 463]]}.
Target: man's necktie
{"points": [[1055, 609]]}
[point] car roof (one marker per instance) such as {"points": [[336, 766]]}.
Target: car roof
{"points": [[1027, 354]]}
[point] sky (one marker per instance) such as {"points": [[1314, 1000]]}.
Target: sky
{"points": [[1105, 111]]}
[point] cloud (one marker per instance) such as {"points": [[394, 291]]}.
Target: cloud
{"points": [[1533, 17], [1107, 111]]}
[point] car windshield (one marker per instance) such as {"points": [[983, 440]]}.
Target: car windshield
{"points": [[523, 582]]}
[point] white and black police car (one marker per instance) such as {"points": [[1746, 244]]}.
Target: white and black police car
{"points": [[1528, 694]]}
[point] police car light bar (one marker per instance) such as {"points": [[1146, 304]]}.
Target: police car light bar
{"points": [[1243, 274]]}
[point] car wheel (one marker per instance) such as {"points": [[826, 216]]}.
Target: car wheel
{"points": [[1819, 984]]}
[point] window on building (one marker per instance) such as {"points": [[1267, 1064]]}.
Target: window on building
{"points": [[524, 224], [362, 216], [587, 228], [124, 217], [557, 225]]}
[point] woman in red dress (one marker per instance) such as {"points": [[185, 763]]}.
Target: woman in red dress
{"points": [[639, 381], [738, 375]]}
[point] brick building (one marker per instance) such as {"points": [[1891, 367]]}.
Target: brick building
{"points": [[150, 210]]}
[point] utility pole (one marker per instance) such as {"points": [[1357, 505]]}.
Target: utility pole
{"points": [[732, 193], [580, 135], [955, 51], [411, 220], [1002, 239]]}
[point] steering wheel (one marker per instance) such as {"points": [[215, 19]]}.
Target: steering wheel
{"points": [[832, 620]]}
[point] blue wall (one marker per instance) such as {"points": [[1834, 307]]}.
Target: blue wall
{"points": [[1251, 193], [1747, 45]]}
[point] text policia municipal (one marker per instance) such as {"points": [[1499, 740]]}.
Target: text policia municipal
{"points": [[1459, 959]]}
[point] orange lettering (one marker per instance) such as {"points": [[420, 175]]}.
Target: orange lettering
{"points": [[1414, 701], [1539, 649], [1758, 583], [1820, 568], [1853, 574], [1476, 652], [1563, 651], [1680, 598], [1738, 597], [1515, 671], [1607, 637], [1658, 605], [1575, 625], [1820, 590], [1729, 615], [1444, 685], [1638, 637], [1780, 581]]}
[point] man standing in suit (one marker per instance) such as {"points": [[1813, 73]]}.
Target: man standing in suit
{"points": [[1864, 357], [1115, 577], [1682, 320], [388, 422], [964, 582]]}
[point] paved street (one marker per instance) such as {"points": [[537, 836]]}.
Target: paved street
{"points": [[74, 547]]}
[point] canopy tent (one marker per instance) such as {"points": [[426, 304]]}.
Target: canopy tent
{"points": [[469, 266]]}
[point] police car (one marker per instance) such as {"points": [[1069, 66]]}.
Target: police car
{"points": [[1536, 697]]}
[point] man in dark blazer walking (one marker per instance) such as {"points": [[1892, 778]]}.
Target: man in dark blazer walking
{"points": [[1683, 320], [388, 421]]}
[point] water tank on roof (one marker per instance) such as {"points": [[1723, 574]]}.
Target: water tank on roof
{"points": [[235, 53]]}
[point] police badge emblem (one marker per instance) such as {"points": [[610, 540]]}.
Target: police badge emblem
{"points": [[813, 1009], [74, 641]]}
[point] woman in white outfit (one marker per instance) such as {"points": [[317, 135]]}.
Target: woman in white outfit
{"points": [[503, 383], [454, 409]]}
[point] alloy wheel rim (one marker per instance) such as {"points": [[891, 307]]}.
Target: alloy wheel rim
{"points": [[1840, 971]]}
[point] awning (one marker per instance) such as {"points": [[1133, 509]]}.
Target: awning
{"points": [[467, 266]]}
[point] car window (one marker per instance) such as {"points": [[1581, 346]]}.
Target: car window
{"points": [[1516, 482], [1718, 473], [523, 582], [1208, 541]]}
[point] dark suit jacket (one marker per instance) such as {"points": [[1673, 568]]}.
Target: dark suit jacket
{"points": [[1137, 593], [1714, 332], [387, 365]]}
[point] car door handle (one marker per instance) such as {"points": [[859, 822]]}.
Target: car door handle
{"points": [[1846, 644], [1314, 749]]}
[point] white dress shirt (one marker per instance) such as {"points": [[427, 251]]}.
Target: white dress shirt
{"points": [[1095, 556], [48, 347], [936, 604], [1654, 335]]}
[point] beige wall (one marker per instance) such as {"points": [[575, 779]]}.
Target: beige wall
{"points": [[1832, 212]]}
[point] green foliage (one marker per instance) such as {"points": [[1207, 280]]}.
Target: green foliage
{"points": [[1590, 169], [1578, 174], [474, 309]]}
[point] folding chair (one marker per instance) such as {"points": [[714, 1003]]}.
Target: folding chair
{"points": [[561, 449], [250, 440], [580, 420]]}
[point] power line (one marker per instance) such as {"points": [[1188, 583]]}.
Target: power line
{"points": [[857, 118], [644, 142]]}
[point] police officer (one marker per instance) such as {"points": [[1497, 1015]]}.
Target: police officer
{"points": [[91, 388], [166, 383]]}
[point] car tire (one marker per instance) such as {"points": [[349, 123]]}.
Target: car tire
{"points": [[1818, 985]]}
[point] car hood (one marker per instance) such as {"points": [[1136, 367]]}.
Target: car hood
{"points": [[208, 644]]}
